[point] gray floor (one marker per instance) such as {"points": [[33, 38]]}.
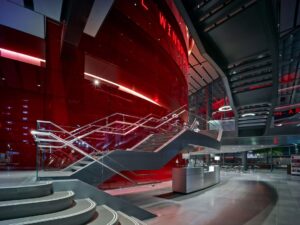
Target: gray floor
{"points": [[11, 178], [250, 199], [240, 199]]}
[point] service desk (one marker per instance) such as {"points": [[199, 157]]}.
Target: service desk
{"points": [[189, 179]]}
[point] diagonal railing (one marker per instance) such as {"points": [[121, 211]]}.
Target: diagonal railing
{"points": [[83, 143], [68, 143]]}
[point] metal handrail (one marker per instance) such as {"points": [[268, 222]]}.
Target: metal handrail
{"points": [[74, 138], [98, 128], [68, 143], [220, 129], [126, 128]]}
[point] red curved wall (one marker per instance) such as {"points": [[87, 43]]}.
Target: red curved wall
{"points": [[132, 48]]}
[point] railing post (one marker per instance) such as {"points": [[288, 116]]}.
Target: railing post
{"points": [[37, 156]]}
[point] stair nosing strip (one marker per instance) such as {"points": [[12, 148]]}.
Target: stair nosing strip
{"points": [[129, 218], [92, 204], [25, 186], [115, 218], [70, 193]]}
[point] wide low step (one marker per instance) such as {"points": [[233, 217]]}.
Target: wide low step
{"points": [[104, 216], [25, 191], [80, 213], [36, 206], [75, 168], [127, 220], [85, 162], [145, 150]]}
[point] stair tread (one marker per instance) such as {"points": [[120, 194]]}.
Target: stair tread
{"points": [[77, 167], [55, 174], [82, 206], [106, 215], [55, 196], [126, 220], [36, 206], [25, 191], [85, 162]]}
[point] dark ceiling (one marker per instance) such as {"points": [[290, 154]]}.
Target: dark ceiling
{"points": [[254, 45]]}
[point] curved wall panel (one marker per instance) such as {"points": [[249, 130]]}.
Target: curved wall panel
{"points": [[132, 48]]}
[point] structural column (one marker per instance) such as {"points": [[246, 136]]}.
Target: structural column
{"points": [[244, 161]]}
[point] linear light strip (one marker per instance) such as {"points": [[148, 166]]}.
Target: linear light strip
{"points": [[21, 57], [289, 88], [122, 88], [286, 107]]}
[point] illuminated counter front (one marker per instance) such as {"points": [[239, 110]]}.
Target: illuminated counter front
{"points": [[189, 179]]}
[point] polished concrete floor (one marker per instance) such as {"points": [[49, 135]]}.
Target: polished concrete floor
{"points": [[240, 199], [250, 199]]}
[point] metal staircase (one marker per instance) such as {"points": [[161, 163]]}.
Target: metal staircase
{"points": [[95, 152]]}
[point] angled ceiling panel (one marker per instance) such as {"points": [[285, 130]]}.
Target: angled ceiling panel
{"points": [[198, 55], [212, 72], [24, 20], [49, 8], [193, 61], [203, 73], [193, 83]]}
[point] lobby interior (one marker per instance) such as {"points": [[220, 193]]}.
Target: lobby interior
{"points": [[150, 112]]}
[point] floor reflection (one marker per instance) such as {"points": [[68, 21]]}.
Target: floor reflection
{"points": [[249, 199]]}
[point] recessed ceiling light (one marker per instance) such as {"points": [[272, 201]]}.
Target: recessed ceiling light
{"points": [[3, 78], [248, 114], [96, 82], [225, 108], [278, 125], [38, 85]]}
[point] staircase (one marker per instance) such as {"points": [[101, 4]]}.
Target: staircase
{"points": [[146, 158], [154, 142], [40, 203], [165, 138]]}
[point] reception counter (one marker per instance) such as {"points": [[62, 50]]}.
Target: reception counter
{"points": [[189, 179]]}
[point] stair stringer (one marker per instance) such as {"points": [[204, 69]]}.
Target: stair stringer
{"points": [[95, 174]]}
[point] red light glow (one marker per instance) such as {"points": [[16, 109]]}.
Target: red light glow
{"points": [[144, 5], [22, 57], [122, 88]]}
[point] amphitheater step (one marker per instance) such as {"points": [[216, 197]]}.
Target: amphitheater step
{"points": [[80, 213], [28, 191], [36, 206]]}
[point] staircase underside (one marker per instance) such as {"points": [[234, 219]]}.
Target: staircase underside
{"points": [[95, 174]]}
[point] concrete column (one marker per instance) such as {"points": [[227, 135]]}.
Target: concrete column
{"points": [[244, 161], [208, 103]]}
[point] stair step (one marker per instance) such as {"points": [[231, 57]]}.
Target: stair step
{"points": [[84, 162], [36, 206], [105, 215], [25, 191], [79, 214], [126, 220], [98, 154], [139, 221], [75, 168], [88, 159]]}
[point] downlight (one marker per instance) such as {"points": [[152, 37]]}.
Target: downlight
{"points": [[225, 108], [248, 114]]}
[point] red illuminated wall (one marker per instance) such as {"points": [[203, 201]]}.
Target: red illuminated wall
{"points": [[131, 39]]}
